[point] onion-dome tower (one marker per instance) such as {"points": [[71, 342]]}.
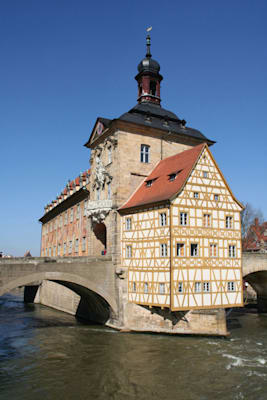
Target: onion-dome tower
{"points": [[148, 78]]}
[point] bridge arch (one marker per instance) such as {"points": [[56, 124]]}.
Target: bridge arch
{"points": [[80, 285]]}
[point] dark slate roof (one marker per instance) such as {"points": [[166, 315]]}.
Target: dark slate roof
{"points": [[155, 116], [105, 121]]}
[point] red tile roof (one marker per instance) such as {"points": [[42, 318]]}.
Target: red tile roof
{"points": [[162, 188]]}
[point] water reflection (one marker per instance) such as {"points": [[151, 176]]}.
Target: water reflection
{"points": [[49, 354]]}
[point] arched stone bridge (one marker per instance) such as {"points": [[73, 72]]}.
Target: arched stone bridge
{"points": [[255, 273], [91, 278]]}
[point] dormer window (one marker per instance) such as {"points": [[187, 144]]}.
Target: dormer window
{"points": [[172, 177], [149, 183]]}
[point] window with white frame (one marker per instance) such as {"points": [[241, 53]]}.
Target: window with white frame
{"points": [[216, 197], [128, 251], [128, 224], [229, 222], [109, 155], [144, 153], [197, 287], [163, 219], [183, 218], [196, 195], [71, 215], [134, 287], [194, 249], [207, 220], [145, 287], [163, 250], [78, 211], [180, 287], [205, 174], [206, 287], [231, 286], [232, 251], [83, 243], [70, 246], [76, 245], [161, 288], [180, 249], [213, 250]]}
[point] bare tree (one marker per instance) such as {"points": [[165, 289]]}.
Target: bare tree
{"points": [[248, 216]]}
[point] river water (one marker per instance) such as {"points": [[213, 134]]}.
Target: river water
{"points": [[46, 354]]}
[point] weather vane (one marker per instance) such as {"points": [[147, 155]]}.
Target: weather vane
{"points": [[148, 54]]}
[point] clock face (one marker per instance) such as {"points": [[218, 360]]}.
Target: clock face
{"points": [[99, 128]]}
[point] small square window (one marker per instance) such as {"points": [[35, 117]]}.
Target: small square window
{"points": [[180, 249], [128, 224], [205, 174], [149, 183], [197, 287], [231, 286], [172, 177], [216, 197], [183, 218], [194, 249], [206, 287], [163, 219], [163, 250], [162, 288], [128, 251], [196, 195]]}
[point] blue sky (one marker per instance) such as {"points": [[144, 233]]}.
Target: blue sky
{"points": [[64, 63]]}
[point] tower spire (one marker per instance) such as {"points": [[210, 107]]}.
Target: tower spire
{"points": [[148, 77]]}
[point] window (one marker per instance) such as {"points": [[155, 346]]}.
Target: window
{"points": [[205, 174], [128, 251], [64, 248], [213, 250], [207, 220], [109, 155], [162, 288], [183, 218], [172, 177], [206, 287], [180, 287], [84, 208], [152, 88], [195, 195], [216, 197], [71, 215], [229, 222], [197, 287], [194, 249], [70, 247], [134, 287], [162, 219], [83, 244], [98, 194], [128, 224], [163, 250], [144, 155], [76, 245], [145, 287], [78, 212], [149, 183], [232, 252], [109, 191], [231, 286], [180, 249], [66, 218]]}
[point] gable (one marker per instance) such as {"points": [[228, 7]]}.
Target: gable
{"points": [[207, 180], [99, 128]]}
